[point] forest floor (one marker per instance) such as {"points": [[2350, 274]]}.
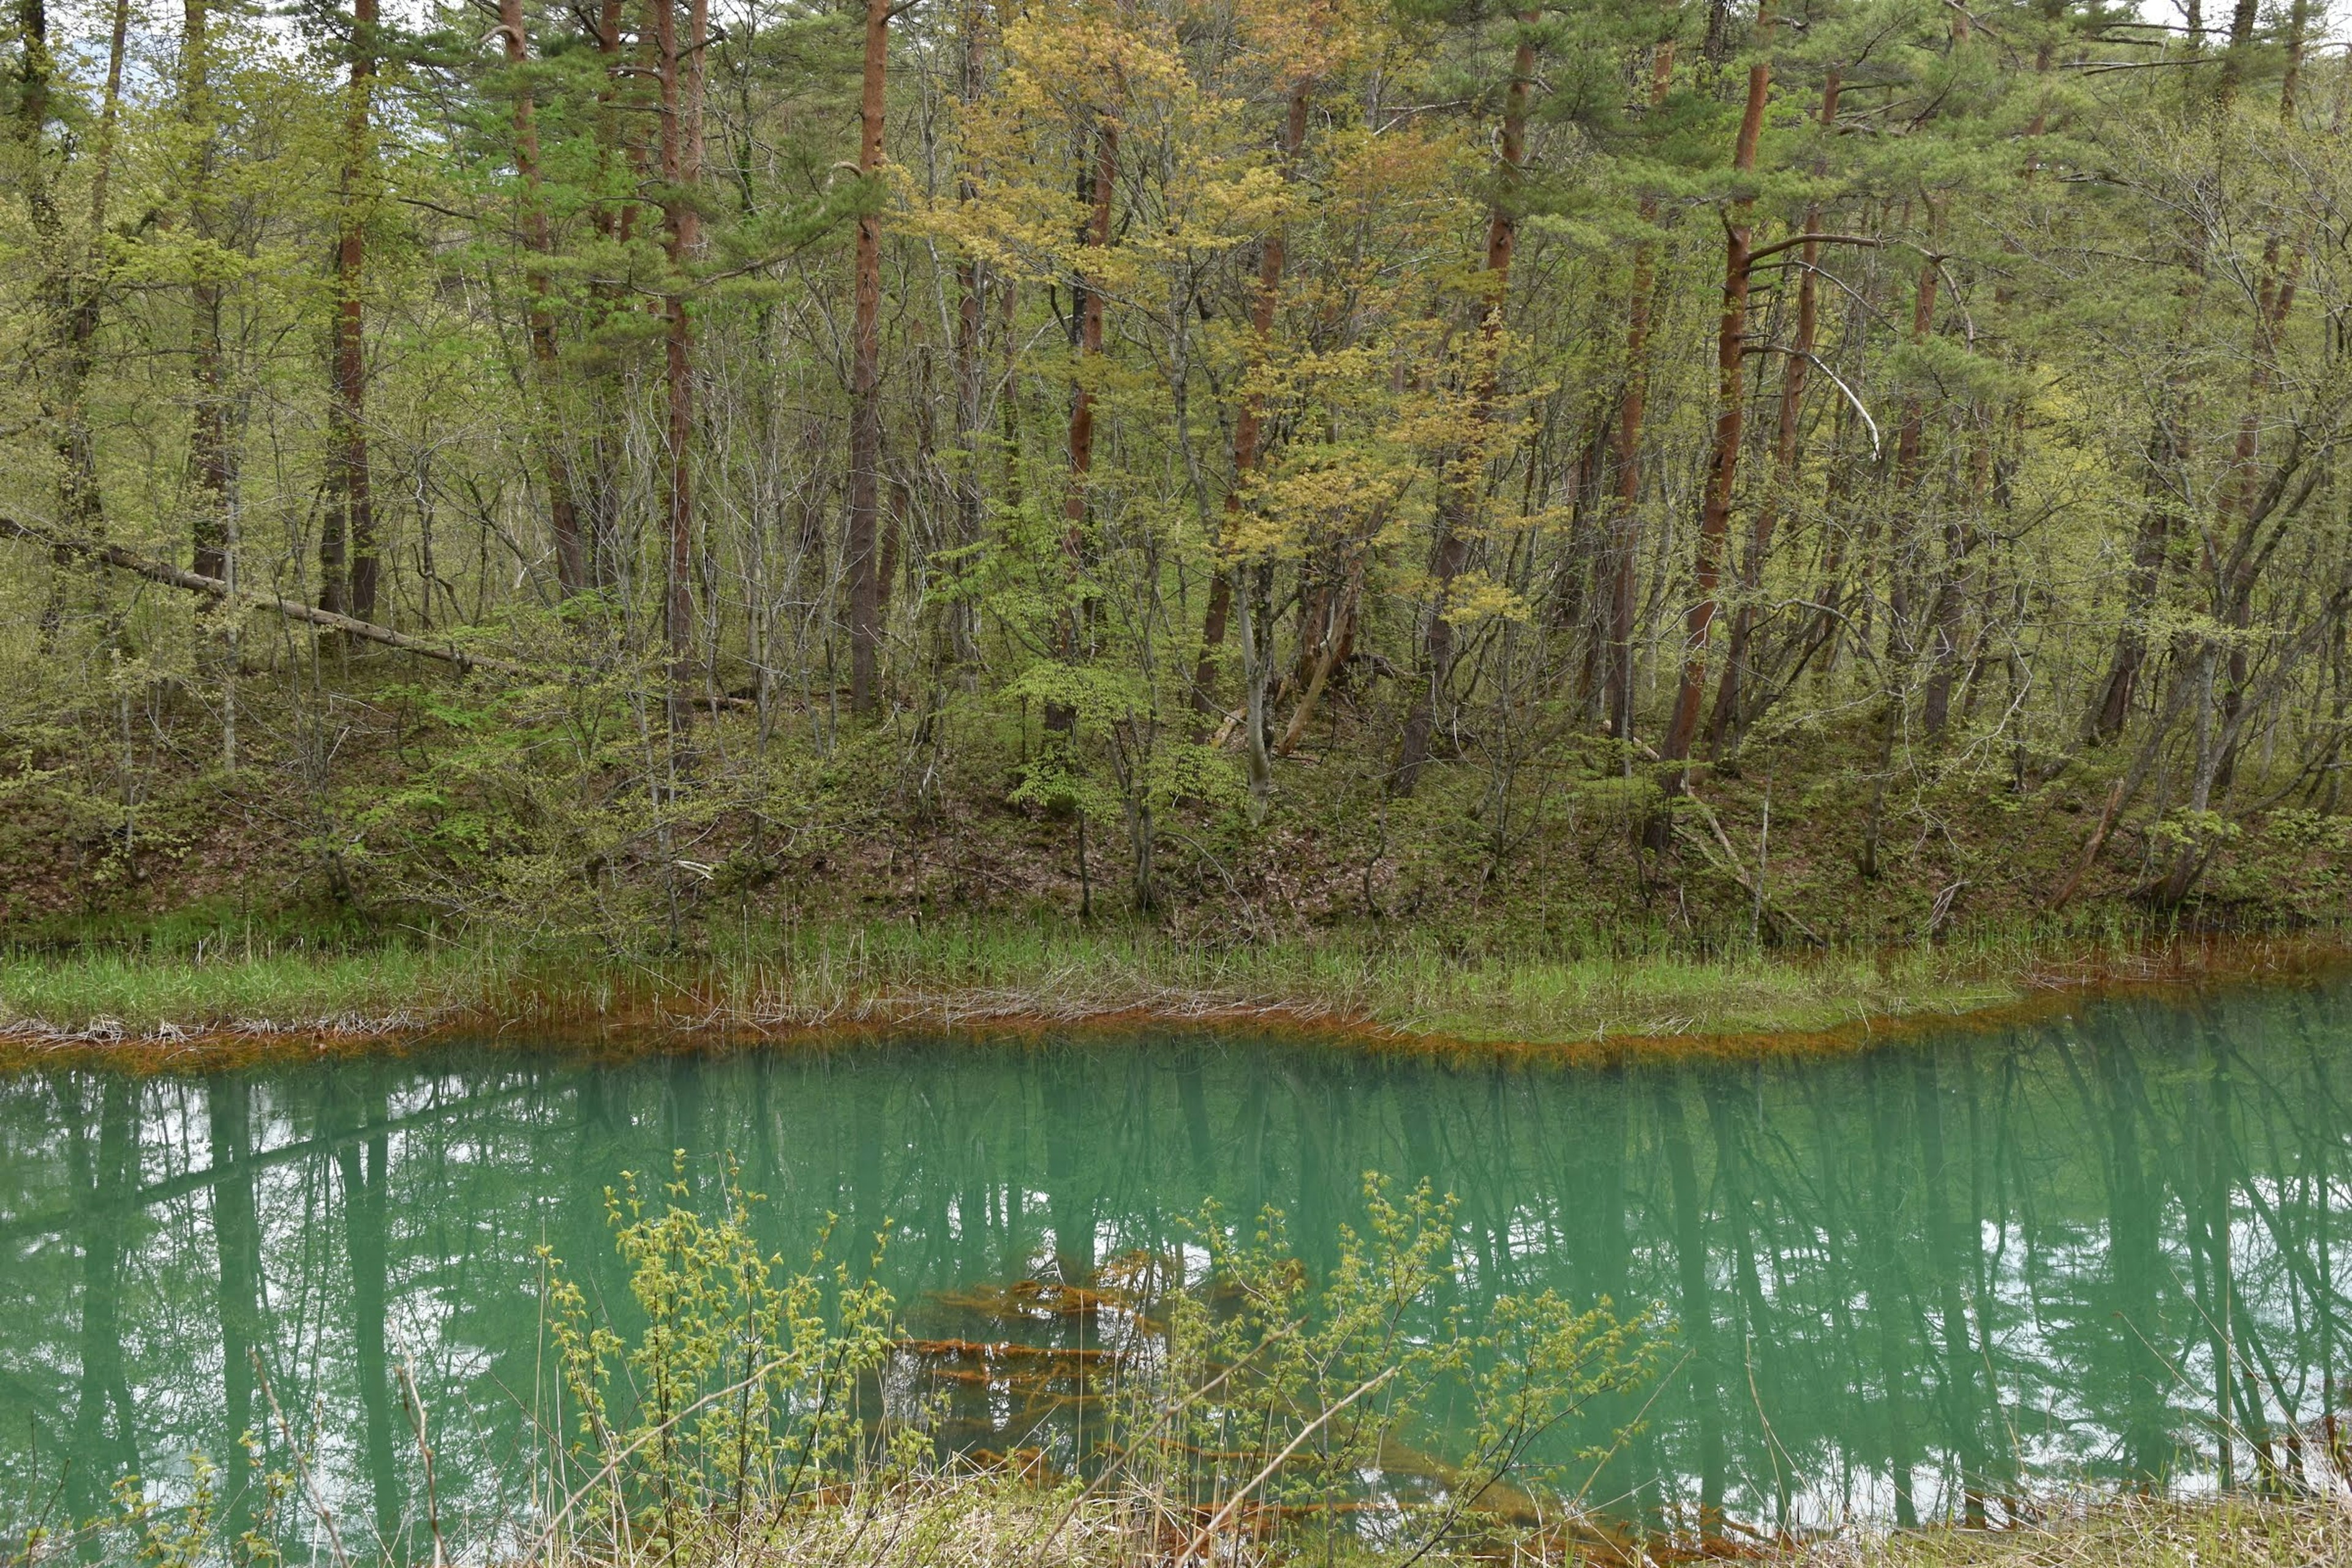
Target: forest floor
{"points": [[1411, 990]]}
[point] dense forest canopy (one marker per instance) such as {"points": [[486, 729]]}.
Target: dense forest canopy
{"points": [[570, 463]]}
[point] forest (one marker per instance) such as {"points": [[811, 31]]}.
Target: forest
{"points": [[1847, 467]]}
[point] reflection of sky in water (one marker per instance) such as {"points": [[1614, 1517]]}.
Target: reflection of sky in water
{"points": [[2072, 1204]]}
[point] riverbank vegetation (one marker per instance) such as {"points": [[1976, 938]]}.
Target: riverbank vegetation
{"points": [[1828, 474], [1406, 987], [998, 1522]]}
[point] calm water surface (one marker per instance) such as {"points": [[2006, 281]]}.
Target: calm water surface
{"points": [[2116, 1246]]}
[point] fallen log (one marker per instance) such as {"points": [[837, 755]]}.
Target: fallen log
{"points": [[172, 576]]}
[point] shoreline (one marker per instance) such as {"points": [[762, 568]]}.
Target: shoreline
{"points": [[638, 1011]]}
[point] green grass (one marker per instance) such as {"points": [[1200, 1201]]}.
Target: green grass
{"points": [[1412, 984], [950, 1523], [106, 989]]}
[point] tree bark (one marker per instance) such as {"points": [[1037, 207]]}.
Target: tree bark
{"points": [[348, 565], [563, 514], [1723, 457], [1273, 259], [1626, 526], [208, 459], [1086, 324], [2150, 543], [85, 317], [1458, 494], [1724, 727], [1909, 440], [681, 170], [971, 283], [860, 555], [67, 292], [2273, 300], [70, 287]]}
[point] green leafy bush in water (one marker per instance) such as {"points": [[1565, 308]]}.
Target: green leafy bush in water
{"points": [[1254, 1401], [740, 1396], [1306, 1399]]}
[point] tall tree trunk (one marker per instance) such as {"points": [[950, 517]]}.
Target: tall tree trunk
{"points": [[1731, 408], [103, 1194], [2150, 542], [347, 549], [2273, 300], [364, 1171], [236, 1238], [681, 109], [1100, 187], [1459, 492], [68, 290], [102, 178], [1626, 524], [208, 440], [613, 217], [67, 299], [860, 555], [1908, 439], [1724, 727], [51, 358], [971, 282], [563, 515], [36, 83], [1273, 259], [1336, 642], [2168, 452]]}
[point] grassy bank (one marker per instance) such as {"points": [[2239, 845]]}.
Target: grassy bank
{"points": [[978, 1524], [2236, 1532], [991, 1520], [1404, 986]]}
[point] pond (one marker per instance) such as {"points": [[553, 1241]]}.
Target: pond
{"points": [[2113, 1247]]}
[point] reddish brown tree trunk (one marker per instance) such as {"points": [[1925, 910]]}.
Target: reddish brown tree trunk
{"points": [[564, 516], [1724, 726], [1625, 531], [347, 547], [1458, 497], [859, 555], [1723, 457]]}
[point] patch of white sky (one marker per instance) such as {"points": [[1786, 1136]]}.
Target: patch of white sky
{"points": [[82, 29]]}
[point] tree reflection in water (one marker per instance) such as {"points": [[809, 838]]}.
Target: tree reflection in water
{"points": [[1911, 1283]]}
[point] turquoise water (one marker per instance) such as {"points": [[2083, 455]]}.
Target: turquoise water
{"points": [[1974, 1265]]}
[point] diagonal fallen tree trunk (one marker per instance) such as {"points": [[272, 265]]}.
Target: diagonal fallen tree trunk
{"points": [[292, 610]]}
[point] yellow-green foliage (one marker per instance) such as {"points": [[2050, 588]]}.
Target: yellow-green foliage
{"points": [[742, 1391]]}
